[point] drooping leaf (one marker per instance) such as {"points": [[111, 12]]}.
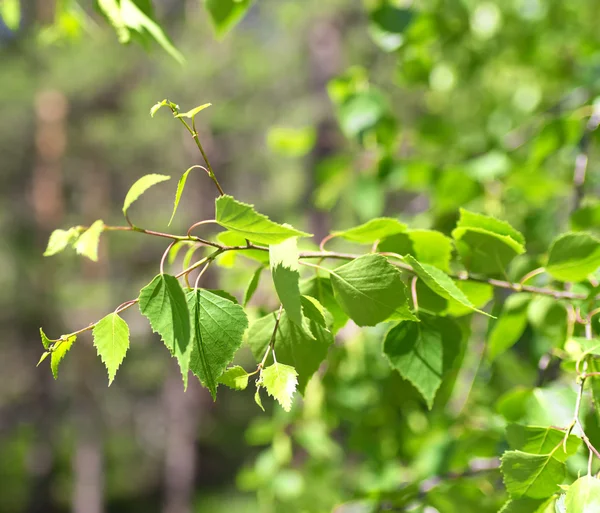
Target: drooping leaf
{"points": [[243, 219], [369, 290], [87, 243], [440, 283], [510, 325], [375, 229], [531, 475], [320, 288], [314, 311], [111, 339], [46, 342], [280, 380], [192, 113], [58, 353], [180, 187], [286, 276], [112, 10], [59, 240], [541, 440], [574, 256], [140, 186], [427, 246], [163, 303], [583, 496], [423, 352], [293, 344], [235, 377], [252, 285], [45, 355], [218, 326], [257, 398], [157, 106], [486, 245], [225, 14]]}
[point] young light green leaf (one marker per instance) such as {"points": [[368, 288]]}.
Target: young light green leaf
{"points": [[112, 11], [510, 325], [280, 381], [46, 342], [225, 14], [243, 219], [257, 398], [87, 243], [192, 113], [218, 326], [59, 240], [10, 12], [427, 246], [253, 285], [235, 377], [541, 440], [283, 259], [583, 496], [45, 355], [320, 288], [58, 353], [180, 187], [531, 475], [423, 352], [491, 224], [369, 290], [375, 229], [140, 186], [440, 283], [294, 345], [163, 303], [111, 339], [157, 106], [574, 256], [314, 311]]}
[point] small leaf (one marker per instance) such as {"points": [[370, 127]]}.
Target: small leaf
{"points": [[375, 229], [180, 187], [369, 290], [59, 240], [583, 496], [163, 303], [140, 186], [320, 288], [235, 377], [541, 440], [45, 355], [257, 398], [58, 352], [243, 219], [218, 326], [283, 259], [280, 381], [314, 311], [157, 106], [531, 475], [423, 352], [192, 113], [510, 325], [253, 285], [46, 342], [87, 243], [111, 339], [574, 256], [225, 14]]}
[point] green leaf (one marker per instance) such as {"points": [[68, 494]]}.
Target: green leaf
{"points": [[157, 106], [87, 243], [583, 496], [440, 283], [375, 229], [225, 14], [140, 186], [369, 290], [510, 325], [427, 246], [112, 11], [286, 276], [60, 239], [257, 398], [10, 12], [531, 475], [574, 256], [45, 355], [541, 440], [192, 113], [218, 326], [526, 505], [253, 285], [46, 342], [320, 288], [111, 339], [58, 352], [423, 352], [235, 377], [244, 220], [314, 311], [163, 303], [280, 381], [294, 345], [486, 245], [180, 187], [235, 239]]}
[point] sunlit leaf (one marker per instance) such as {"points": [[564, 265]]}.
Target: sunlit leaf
{"points": [[87, 243], [141, 186]]}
